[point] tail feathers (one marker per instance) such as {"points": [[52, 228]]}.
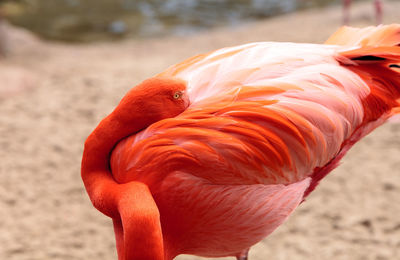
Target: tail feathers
{"points": [[383, 35], [379, 67], [389, 56], [378, 63]]}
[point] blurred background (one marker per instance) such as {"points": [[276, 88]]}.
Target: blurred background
{"points": [[91, 20], [64, 65]]}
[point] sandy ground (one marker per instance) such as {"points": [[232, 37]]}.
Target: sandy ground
{"points": [[64, 90]]}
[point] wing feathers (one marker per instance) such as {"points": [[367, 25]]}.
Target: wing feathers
{"points": [[384, 35], [266, 113]]}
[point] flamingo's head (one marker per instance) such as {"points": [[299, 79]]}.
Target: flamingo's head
{"points": [[152, 100]]}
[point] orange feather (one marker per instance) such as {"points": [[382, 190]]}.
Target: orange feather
{"points": [[213, 154]]}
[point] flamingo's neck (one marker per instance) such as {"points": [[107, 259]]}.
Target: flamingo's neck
{"points": [[96, 173], [131, 205], [133, 229]]}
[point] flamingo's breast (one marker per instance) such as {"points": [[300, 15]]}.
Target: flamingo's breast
{"points": [[221, 220]]}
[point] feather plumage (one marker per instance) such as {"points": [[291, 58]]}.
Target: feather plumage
{"points": [[267, 121]]}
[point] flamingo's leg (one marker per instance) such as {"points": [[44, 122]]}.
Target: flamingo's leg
{"points": [[243, 255], [2, 36], [346, 11], [378, 11]]}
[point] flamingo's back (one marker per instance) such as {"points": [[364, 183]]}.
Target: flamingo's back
{"points": [[267, 121]]}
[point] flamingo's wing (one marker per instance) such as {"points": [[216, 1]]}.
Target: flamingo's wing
{"points": [[270, 112], [220, 71], [261, 113], [387, 35]]}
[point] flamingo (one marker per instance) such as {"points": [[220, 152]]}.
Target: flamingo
{"points": [[378, 5], [2, 35], [211, 155]]}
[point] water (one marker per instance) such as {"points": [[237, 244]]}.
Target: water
{"points": [[91, 20]]}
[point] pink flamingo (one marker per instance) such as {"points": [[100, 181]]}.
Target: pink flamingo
{"points": [[2, 35], [213, 154], [378, 11]]}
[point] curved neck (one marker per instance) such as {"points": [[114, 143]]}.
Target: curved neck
{"points": [[130, 205], [95, 169]]}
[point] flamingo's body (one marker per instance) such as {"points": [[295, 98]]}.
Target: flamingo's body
{"points": [[266, 122]]}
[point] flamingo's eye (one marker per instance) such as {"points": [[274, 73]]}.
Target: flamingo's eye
{"points": [[177, 94]]}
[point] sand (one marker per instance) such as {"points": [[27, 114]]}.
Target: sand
{"points": [[62, 92]]}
